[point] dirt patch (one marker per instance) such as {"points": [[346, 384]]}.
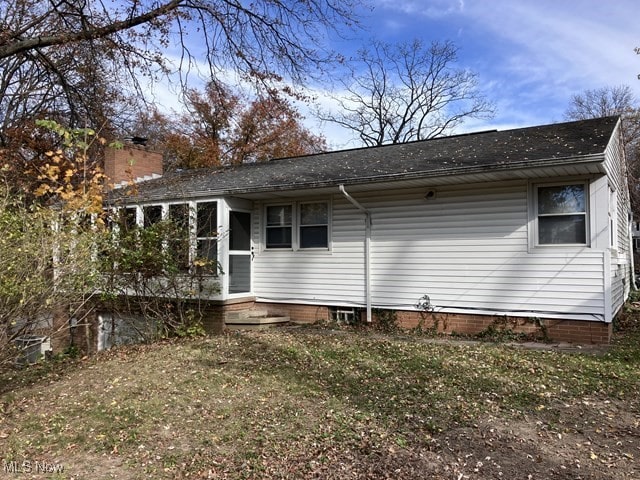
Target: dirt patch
{"points": [[592, 441]]}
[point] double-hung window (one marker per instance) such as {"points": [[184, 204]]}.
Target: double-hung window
{"points": [[279, 226], [297, 226], [561, 214], [314, 225]]}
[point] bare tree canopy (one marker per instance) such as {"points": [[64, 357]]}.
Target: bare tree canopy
{"points": [[257, 37], [65, 56], [615, 100], [601, 102], [612, 100], [409, 91]]}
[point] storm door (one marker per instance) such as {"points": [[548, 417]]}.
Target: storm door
{"points": [[239, 252]]}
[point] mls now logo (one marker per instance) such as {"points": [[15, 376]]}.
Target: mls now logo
{"points": [[28, 466]]}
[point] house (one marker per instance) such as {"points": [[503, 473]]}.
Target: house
{"points": [[635, 237], [530, 225]]}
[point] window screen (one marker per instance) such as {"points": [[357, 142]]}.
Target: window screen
{"points": [[279, 226], [314, 225], [562, 215]]}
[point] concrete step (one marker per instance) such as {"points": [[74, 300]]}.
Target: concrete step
{"points": [[254, 323], [259, 320], [238, 327], [254, 319], [243, 314]]}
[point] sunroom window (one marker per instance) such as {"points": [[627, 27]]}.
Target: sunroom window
{"points": [[152, 214], [179, 243], [207, 231], [561, 214], [126, 219]]}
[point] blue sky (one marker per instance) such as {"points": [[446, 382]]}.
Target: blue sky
{"points": [[531, 55]]}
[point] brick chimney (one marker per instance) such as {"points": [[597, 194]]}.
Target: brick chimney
{"points": [[131, 163]]}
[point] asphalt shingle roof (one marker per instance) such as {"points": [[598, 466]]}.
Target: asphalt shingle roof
{"points": [[483, 151]]}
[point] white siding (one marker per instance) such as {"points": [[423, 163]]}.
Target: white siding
{"points": [[334, 277], [620, 256], [467, 249]]}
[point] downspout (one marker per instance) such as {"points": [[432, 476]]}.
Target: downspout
{"points": [[631, 246], [367, 248]]}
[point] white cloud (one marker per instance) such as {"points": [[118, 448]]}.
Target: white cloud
{"points": [[431, 9], [533, 55], [579, 45]]}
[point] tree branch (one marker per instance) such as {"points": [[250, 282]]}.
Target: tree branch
{"points": [[24, 45]]}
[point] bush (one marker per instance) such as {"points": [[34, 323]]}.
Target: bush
{"points": [[48, 271], [385, 320]]}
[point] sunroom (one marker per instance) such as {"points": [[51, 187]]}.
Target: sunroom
{"points": [[211, 231]]}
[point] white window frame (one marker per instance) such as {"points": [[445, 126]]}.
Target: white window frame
{"points": [[301, 226], [534, 231], [296, 225], [189, 228], [207, 238], [291, 226], [613, 218], [139, 219]]}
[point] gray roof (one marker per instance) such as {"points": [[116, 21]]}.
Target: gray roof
{"points": [[539, 146]]}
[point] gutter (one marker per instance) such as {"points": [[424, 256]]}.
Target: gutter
{"points": [[367, 248]]}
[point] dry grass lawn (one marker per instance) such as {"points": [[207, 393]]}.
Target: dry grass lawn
{"points": [[305, 403]]}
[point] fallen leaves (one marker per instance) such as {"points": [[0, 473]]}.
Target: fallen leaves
{"points": [[298, 405]]}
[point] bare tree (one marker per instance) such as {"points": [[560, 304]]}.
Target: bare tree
{"points": [[74, 85], [410, 91], [74, 56], [614, 100], [601, 102]]}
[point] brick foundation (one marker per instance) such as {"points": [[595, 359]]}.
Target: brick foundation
{"points": [[572, 331], [84, 335]]}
